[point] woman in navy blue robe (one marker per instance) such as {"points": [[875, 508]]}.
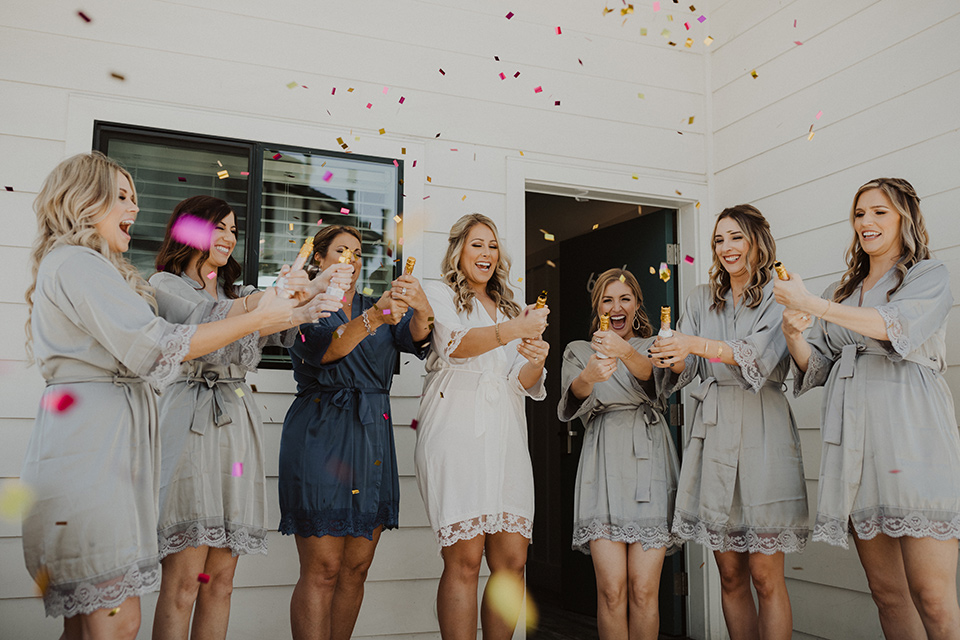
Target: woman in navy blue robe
{"points": [[339, 486]]}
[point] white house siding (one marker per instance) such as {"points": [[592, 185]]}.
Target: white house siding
{"points": [[886, 75], [219, 68]]}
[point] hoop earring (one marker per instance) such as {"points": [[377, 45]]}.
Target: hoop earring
{"points": [[637, 325]]}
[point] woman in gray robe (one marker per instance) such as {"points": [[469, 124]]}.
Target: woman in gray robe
{"points": [[92, 463], [890, 468], [742, 491], [213, 505], [627, 477]]}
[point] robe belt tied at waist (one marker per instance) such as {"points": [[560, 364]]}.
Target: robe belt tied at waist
{"points": [[347, 398], [708, 408], [210, 399], [644, 417]]}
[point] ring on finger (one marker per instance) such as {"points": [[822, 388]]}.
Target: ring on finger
{"points": [[403, 291]]}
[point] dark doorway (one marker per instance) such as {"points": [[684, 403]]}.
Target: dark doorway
{"points": [[589, 237]]}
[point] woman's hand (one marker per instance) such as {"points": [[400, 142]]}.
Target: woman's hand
{"points": [[320, 306], [669, 351], [293, 284], [273, 308], [609, 343], [392, 309], [598, 369], [408, 290], [793, 294], [534, 350], [795, 323], [532, 322], [339, 274]]}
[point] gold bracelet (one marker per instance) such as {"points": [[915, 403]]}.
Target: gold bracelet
{"points": [[244, 299], [720, 349], [820, 317], [496, 328]]}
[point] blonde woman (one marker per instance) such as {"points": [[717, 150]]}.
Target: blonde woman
{"points": [[90, 540], [627, 476], [890, 468], [741, 491], [473, 467]]}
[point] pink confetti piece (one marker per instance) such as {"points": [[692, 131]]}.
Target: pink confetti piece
{"points": [[320, 222], [556, 103], [277, 156], [192, 231], [509, 15], [84, 16], [237, 469], [558, 31], [386, 417], [211, 275], [538, 90], [181, 179], [516, 75], [503, 76], [702, 19], [369, 105], [396, 164], [797, 42], [344, 210], [894, 470], [58, 402], [688, 259], [386, 312], [303, 338], [203, 577], [686, 26], [414, 163], [425, 197], [715, 360], [442, 72], [334, 92], [327, 176], [244, 173], [385, 89], [656, 6], [794, 24], [413, 424], [819, 113]]}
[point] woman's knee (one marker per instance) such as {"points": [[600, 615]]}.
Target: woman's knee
{"points": [[937, 604], [644, 592], [733, 578], [612, 594], [322, 573], [768, 581], [462, 564]]}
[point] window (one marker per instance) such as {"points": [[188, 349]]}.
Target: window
{"points": [[280, 194]]}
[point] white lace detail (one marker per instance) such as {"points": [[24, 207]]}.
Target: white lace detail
{"points": [[746, 540], [239, 539], [467, 529], [173, 349], [831, 531], [818, 368], [891, 319], [250, 351], [650, 536], [219, 311], [86, 597], [454, 342], [746, 356]]}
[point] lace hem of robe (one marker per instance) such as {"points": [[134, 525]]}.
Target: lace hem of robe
{"points": [[742, 540], [748, 371], [240, 539], [340, 522], [85, 597], [650, 535], [891, 319], [486, 524], [866, 526], [818, 368], [173, 349], [454, 342]]}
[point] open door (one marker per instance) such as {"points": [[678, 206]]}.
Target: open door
{"points": [[628, 236]]}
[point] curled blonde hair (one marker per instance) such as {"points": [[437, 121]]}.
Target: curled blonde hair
{"points": [[76, 195], [497, 287], [914, 241], [757, 230], [639, 316]]}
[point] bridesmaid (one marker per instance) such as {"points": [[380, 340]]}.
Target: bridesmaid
{"points": [[90, 540], [741, 491], [339, 484], [212, 480], [890, 468], [627, 478]]}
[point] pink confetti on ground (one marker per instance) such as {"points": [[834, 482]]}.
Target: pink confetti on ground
{"points": [[84, 16], [509, 15], [277, 156], [369, 105], [413, 424], [538, 90], [327, 176], [58, 402], [794, 24], [503, 76], [425, 197], [344, 210], [819, 113], [211, 275], [237, 469], [689, 259], [203, 577], [192, 231]]}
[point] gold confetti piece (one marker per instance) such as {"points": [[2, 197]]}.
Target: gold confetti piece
{"points": [[642, 96], [665, 33], [551, 263], [350, 90], [114, 612], [291, 226], [507, 597], [548, 236], [519, 279], [596, 226], [653, 271], [292, 85], [239, 392], [626, 10], [463, 198], [690, 120], [669, 18], [688, 43], [356, 491], [623, 278], [382, 131], [117, 76], [635, 177], [606, 11], [429, 179], [698, 204], [397, 219], [672, 43], [754, 74], [367, 291], [677, 191], [521, 153], [692, 8], [357, 138], [223, 174], [376, 463], [708, 41], [16, 499], [810, 137], [643, 31], [42, 580]]}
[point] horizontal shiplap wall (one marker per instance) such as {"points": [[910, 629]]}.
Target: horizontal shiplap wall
{"points": [[221, 69], [886, 76]]}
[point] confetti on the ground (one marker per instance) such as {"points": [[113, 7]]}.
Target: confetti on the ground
{"points": [[538, 89], [550, 263], [292, 84], [211, 275], [203, 578], [327, 176], [16, 499], [642, 96], [463, 197], [333, 92], [810, 137], [686, 25], [643, 31], [192, 231], [223, 175], [665, 33], [516, 75], [114, 611], [708, 41], [237, 469], [429, 179], [635, 177], [382, 131], [84, 16], [690, 120], [350, 90], [509, 14], [556, 103], [344, 211], [894, 470], [794, 24], [626, 10], [754, 74], [688, 259], [59, 401], [117, 76], [689, 43]]}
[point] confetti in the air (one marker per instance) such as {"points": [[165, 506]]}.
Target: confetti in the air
{"points": [[507, 597], [442, 72], [292, 84], [344, 211], [58, 401], [708, 41], [386, 312], [516, 75], [688, 259], [623, 278], [538, 89], [367, 291], [84, 16], [239, 392], [117, 76], [327, 176], [16, 499], [819, 113], [664, 272], [754, 74], [356, 491], [114, 611], [689, 43], [277, 156], [503, 76], [223, 175], [558, 31], [211, 275], [548, 236], [797, 42], [656, 6], [401, 99], [369, 106], [237, 469], [690, 120], [702, 19], [192, 231], [203, 578], [509, 15], [9, 188], [550, 263], [894, 470]]}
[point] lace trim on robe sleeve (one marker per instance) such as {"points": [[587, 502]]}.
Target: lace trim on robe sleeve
{"points": [[818, 368], [250, 346], [748, 372], [453, 343], [173, 349], [899, 342]]}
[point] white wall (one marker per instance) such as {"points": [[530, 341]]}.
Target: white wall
{"points": [[221, 68], [886, 75]]}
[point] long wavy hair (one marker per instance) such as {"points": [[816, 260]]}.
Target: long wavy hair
{"points": [[498, 287], [78, 194], [914, 241], [176, 258], [639, 316], [757, 230]]}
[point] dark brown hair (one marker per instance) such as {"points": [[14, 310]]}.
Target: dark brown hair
{"points": [[757, 230], [174, 256], [914, 241], [324, 238], [600, 286]]}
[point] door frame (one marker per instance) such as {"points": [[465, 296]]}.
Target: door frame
{"points": [[690, 196]]}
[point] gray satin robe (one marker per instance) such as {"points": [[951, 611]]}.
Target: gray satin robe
{"points": [[741, 482], [891, 449], [627, 476]]}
